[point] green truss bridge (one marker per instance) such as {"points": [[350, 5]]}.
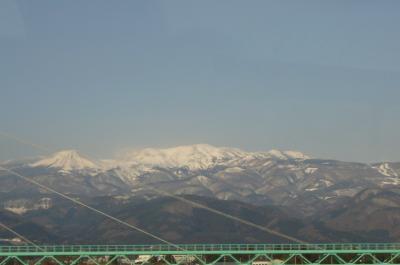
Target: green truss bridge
{"points": [[205, 254]]}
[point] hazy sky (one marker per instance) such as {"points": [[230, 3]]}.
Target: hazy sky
{"points": [[322, 77]]}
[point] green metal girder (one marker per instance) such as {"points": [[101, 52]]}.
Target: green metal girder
{"points": [[206, 254]]}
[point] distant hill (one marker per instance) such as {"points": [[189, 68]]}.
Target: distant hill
{"points": [[314, 199]]}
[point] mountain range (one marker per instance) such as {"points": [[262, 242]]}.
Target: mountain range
{"points": [[310, 198]]}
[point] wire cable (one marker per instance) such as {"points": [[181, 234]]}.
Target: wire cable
{"points": [[24, 142], [15, 233], [89, 207], [229, 216], [243, 221]]}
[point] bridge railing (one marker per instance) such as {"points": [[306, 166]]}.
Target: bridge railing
{"points": [[197, 247]]}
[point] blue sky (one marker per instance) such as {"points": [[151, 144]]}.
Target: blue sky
{"points": [[316, 76]]}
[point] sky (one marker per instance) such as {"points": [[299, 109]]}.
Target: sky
{"points": [[321, 77]]}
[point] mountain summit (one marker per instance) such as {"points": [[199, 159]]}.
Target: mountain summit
{"points": [[198, 156], [285, 178], [194, 157], [287, 155], [67, 161], [201, 156]]}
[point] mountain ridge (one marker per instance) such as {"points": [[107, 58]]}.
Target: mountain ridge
{"points": [[323, 191], [198, 156]]}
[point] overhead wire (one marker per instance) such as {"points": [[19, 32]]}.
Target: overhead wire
{"points": [[45, 149], [165, 193], [229, 216], [18, 235], [89, 207], [24, 142]]}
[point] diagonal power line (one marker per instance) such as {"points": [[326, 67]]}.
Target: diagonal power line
{"points": [[9, 229], [45, 149], [89, 207], [24, 142], [229, 216], [193, 203]]}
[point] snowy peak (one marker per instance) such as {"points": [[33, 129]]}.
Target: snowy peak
{"points": [[199, 156], [67, 161], [202, 156], [284, 155], [194, 157]]}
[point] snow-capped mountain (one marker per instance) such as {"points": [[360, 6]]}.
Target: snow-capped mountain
{"points": [[194, 157], [278, 177], [201, 156], [67, 161], [307, 187]]}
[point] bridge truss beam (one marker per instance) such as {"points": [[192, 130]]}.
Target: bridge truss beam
{"points": [[202, 254]]}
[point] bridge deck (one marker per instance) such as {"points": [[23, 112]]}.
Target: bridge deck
{"points": [[204, 254], [201, 249]]}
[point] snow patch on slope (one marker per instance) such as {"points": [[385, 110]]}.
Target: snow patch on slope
{"points": [[23, 206], [17, 210], [310, 170], [386, 170]]}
